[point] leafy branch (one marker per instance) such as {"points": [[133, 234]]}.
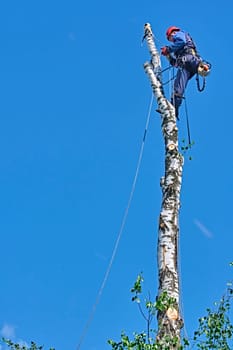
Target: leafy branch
{"points": [[17, 346], [215, 330]]}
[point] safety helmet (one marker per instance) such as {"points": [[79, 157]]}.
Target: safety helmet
{"points": [[171, 29]]}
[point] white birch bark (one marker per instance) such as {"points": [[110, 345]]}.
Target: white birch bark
{"points": [[169, 320]]}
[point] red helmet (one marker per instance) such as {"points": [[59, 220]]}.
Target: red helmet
{"points": [[171, 29]]}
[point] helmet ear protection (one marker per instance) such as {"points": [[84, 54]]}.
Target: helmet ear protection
{"points": [[171, 29]]}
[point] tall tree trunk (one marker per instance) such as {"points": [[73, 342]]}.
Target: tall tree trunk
{"points": [[169, 319]]}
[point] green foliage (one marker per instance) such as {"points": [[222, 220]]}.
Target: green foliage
{"points": [[164, 301], [16, 346], [147, 340], [140, 343], [215, 330], [186, 147], [137, 288]]}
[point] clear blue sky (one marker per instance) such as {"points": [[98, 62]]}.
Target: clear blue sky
{"points": [[73, 104]]}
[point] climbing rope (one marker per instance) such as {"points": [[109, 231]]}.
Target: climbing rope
{"points": [[169, 80], [200, 89], [187, 122], [90, 318], [168, 68], [173, 74], [172, 93]]}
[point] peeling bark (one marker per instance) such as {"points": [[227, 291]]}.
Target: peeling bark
{"points": [[169, 320]]}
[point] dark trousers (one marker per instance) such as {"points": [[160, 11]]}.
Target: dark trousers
{"points": [[188, 65]]}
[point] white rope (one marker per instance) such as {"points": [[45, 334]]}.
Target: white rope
{"points": [[90, 318]]}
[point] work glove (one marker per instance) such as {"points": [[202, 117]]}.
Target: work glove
{"points": [[165, 51]]}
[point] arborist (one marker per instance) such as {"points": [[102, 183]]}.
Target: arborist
{"points": [[182, 53]]}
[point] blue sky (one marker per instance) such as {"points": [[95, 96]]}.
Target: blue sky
{"points": [[73, 104]]}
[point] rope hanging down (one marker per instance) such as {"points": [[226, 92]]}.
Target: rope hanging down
{"points": [[187, 124], [90, 318], [200, 89], [186, 107]]}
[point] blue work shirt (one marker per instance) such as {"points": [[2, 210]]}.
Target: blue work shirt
{"points": [[180, 40]]}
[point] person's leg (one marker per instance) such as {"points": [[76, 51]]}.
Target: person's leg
{"points": [[180, 84]]}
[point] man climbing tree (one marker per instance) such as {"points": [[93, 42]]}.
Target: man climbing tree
{"points": [[182, 53]]}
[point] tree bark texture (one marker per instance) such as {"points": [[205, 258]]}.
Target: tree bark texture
{"points": [[169, 319]]}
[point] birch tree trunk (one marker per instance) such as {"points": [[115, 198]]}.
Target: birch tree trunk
{"points": [[169, 319]]}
